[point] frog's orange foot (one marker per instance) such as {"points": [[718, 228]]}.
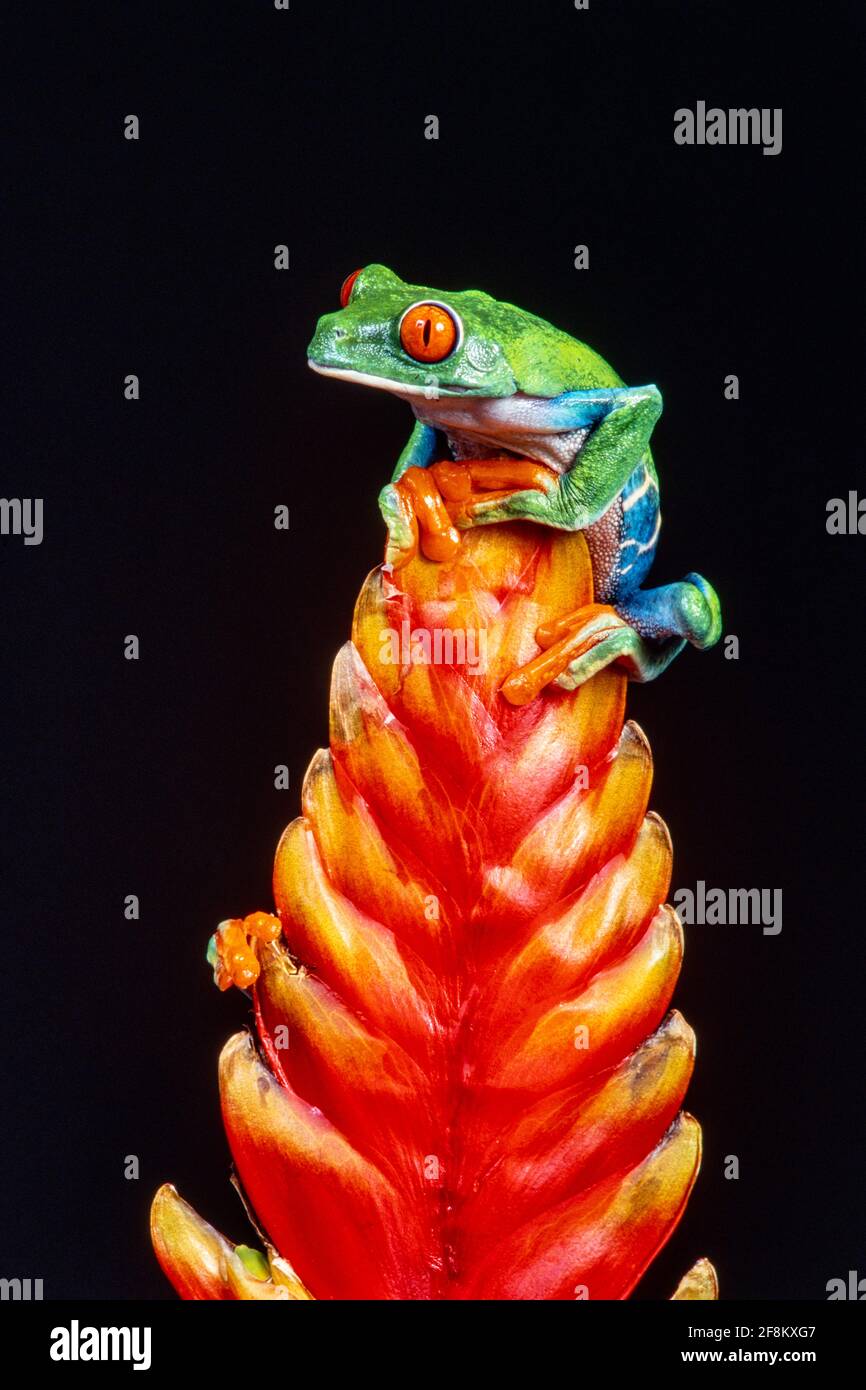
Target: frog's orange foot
{"points": [[424, 520], [577, 646], [564, 642], [469, 483], [425, 506], [233, 948]]}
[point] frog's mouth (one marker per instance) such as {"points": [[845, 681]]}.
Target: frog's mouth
{"points": [[383, 383]]}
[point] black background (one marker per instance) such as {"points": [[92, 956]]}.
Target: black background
{"points": [[260, 127]]}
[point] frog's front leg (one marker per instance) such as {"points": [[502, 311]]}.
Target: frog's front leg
{"points": [[417, 452], [412, 506], [425, 502], [617, 422]]}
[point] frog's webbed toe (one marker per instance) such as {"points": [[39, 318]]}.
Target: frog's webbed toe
{"points": [[579, 645], [426, 505], [415, 514]]}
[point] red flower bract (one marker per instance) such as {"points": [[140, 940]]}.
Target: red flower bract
{"points": [[465, 1082]]}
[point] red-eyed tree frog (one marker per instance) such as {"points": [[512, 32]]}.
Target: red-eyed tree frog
{"points": [[515, 420]]}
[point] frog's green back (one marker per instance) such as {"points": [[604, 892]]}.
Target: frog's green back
{"points": [[547, 361]]}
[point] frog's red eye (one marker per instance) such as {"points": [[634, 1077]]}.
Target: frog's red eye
{"points": [[428, 332], [347, 287]]}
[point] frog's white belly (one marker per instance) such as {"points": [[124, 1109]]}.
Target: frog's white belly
{"points": [[476, 426]]}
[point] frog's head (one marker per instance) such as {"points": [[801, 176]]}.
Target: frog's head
{"points": [[409, 339]]}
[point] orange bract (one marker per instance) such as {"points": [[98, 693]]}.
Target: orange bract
{"points": [[467, 1084]]}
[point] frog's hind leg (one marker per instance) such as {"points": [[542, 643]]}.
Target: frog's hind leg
{"points": [[642, 633], [579, 645], [689, 611]]}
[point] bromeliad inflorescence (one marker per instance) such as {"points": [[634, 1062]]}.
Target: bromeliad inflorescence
{"points": [[464, 1081]]}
